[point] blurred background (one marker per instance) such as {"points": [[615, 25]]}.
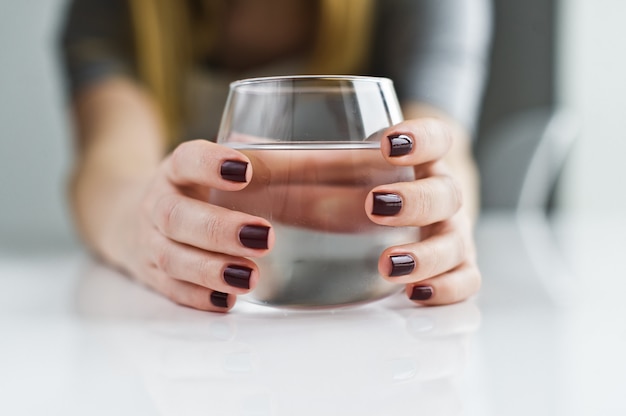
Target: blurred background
{"points": [[35, 146], [552, 133]]}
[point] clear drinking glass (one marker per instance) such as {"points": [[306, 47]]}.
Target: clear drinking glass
{"points": [[314, 144]]}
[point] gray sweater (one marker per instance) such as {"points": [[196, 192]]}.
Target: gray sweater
{"points": [[435, 51]]}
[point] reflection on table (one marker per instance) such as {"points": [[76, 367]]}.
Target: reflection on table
{"points": [[546, 336], [370, 359]]}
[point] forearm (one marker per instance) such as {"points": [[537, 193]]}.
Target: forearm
{"points": [[119, 146]]}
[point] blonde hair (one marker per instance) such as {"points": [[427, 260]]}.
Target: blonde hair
{"points": [[164, 30]]}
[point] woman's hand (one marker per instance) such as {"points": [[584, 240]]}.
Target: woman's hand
{"points": [[149, 215], [193, 252], [441, 268]]}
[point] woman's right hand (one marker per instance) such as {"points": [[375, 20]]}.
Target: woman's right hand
{"points": [[195, 253]]}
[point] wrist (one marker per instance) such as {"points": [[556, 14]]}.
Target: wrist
{"points": [[106, 214]]}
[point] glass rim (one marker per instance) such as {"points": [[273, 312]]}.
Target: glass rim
{"points": [[261, 80]]}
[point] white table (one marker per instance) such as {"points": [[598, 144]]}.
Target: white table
{"points": [[546, 336]]}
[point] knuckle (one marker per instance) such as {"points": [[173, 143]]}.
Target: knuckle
{"points": [[435, 263], [423, 203], [437, 131], [168, 213], [162, 257], [456, 192], [461, 247], [205, 269], [434, 128], [189, 157], [212, 225]]}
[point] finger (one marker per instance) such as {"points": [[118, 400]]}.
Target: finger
{"points": [[207, 164], [418, 203], [212, 228], [415, 262], [450, 287], [189, 294], [211, 270], [332, 166], [414, 142], [313, 206]]}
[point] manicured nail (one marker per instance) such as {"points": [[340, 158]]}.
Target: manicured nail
{"points": [[421, 293], [386, 204], [219, 299], [254, 236], [401, 265], [238, 276], [401, 145], [234, 170]]}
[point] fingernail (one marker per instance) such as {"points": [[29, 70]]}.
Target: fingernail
{"points": [[219, 299], [401, 265], [386, 204], [401, 145], [254, 236], [238, 276], [234, 170], [421, 293]]}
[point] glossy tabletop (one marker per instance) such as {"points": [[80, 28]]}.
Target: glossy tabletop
{"points": [[546, 336]]}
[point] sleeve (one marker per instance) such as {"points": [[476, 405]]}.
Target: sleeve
{"points": [[96, 42], [436, 52]]}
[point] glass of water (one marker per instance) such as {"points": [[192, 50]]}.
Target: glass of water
{"points": [[314, 145]]}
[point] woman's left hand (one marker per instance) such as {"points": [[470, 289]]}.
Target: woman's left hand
{"points": [[441, 268]]}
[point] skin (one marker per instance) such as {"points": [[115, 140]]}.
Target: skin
{"points": [[443, 201], [143, 210]]}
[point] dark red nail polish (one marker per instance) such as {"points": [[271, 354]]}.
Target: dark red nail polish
{"points": [[421, 293], [401, 265], [219, 299], [234, 170], [238, 276], [401, 145], [386, 204], [254, 236]]}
